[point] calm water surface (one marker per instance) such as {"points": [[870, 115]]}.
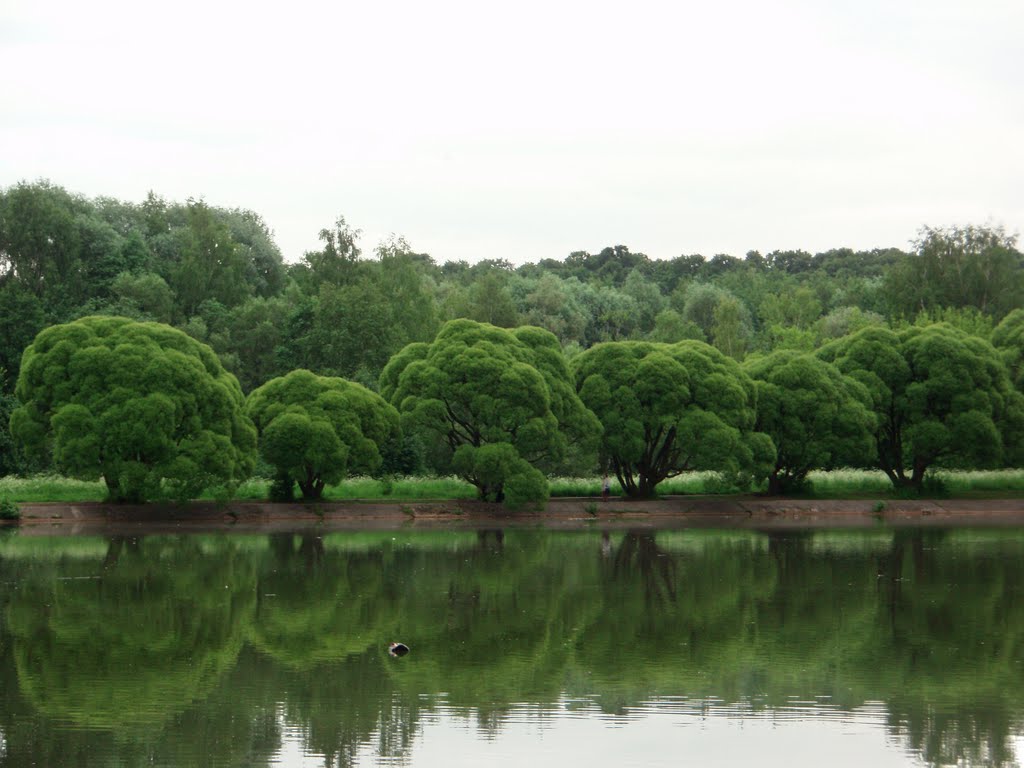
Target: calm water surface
{"points": [[882, 648]]}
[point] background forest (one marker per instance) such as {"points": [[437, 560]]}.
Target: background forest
{"points": [[217, 274]]}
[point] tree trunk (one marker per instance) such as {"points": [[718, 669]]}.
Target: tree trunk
{"points": [[311, 550], [917, 477], [624, 473], [646, 488], [114, 489], [312, 487]]}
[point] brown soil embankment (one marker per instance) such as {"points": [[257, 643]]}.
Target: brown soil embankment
{"points": [[669, 512]]}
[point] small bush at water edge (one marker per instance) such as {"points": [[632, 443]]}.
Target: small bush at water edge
{"points": [[9, 510]]}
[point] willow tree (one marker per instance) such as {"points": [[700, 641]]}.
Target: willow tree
{"points": [[941, 398], [817, 417], [501, 400], [147, 408], [671, 408], [315, 429], [1008, 338]]}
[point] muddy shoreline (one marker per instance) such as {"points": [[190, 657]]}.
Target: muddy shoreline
{"points": [[566, 513]]}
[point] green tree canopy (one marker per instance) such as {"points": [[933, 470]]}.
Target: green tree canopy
{"points": [[671, 408], [670, 327], [140, 404], [724, 319], [40, 241], [211, 264], [352, 327], [9, 460], [548, 304], [843, 321], [1008, 338], [314, 429], [146, 293], [477, 385], [22, 316], [972, 266], [941, 396], [337, 262], [817, 417]]}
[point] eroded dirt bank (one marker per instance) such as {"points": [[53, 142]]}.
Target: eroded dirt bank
{"points": [[669, 512]]}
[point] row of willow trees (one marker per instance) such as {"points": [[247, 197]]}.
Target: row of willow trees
{"points": [[211, 650], [217, 275], [153, 412]]}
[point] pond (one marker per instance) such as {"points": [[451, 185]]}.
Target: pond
{"points": [[888, 647]]}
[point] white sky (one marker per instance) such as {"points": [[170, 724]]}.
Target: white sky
{"points": [[528, 130]]}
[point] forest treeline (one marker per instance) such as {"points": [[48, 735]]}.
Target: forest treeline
{"points": [[217, 275]]}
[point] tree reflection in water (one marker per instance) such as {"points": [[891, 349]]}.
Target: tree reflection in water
{"points": [[209, 649], [638, 553]]}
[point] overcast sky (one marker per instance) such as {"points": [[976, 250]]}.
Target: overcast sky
{"points": [[532, 129]]}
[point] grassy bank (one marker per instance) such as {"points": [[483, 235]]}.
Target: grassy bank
{"points": [[841, 484], [44, 488]]}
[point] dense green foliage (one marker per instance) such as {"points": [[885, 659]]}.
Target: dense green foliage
{"points": [[668, 409], [339, 311], [970, 266], [816, 417], [217, 274], [142, 405], [501, 401], [313, 429], [941, 397], [9, 510], [1008, 338]]}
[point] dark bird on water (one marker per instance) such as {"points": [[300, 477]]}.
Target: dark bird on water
{"points": [[398, 649]]}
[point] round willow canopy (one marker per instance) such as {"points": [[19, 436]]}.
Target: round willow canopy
{"points": [[142, 405], [817, 417], [314, 429], [671, 408], [941, 398], [477, 385]]}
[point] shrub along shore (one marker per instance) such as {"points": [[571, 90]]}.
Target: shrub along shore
{"points": [[837, 484]]}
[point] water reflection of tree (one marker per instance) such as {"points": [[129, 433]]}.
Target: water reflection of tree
{"points": [[122, 646], [341, 707], [929, 624], [145, 622], [492, 625], [975, 735], [911, 544], [317, 606], [788, 549], [469, 614], [953, 637], [116, 545], [639, 555], [491, 539]]}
